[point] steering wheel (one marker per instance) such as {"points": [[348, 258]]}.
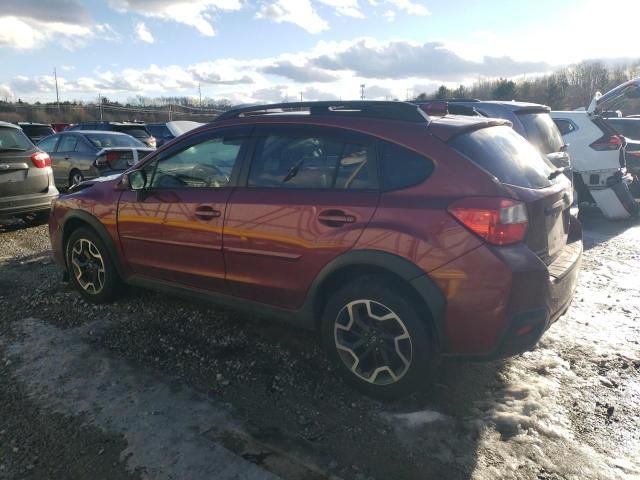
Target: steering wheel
{"points": [[223, 178]]}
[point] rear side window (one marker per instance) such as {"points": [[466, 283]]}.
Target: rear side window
{"points": [[313, 161], [107, 140], [14, 139], [506, 155], [565, 126], [401, 168], [541, 131]]}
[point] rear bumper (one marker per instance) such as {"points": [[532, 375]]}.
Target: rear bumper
{"points": [[501, 300], [23, 204]]}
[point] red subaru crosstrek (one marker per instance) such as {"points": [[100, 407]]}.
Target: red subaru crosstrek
{"points": [[399, 236]]}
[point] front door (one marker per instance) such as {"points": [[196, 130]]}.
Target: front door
{"points": [[172, 231], [309, 194]]}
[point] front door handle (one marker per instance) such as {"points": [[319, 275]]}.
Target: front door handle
{"points": [[207, 213], [335, 218]]}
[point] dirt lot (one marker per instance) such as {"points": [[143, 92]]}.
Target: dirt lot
{"points": [[157, 387]]}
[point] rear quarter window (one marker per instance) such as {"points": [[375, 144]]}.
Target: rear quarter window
{"points": [[541, 131], [401, 167], [505, 155]]}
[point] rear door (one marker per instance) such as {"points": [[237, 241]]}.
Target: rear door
{"points": [[529, 176], [18, 176], [307, 196]]}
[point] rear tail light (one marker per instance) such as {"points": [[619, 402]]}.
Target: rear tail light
{"points": [[41, 159], [499, 221], [608, 142]]}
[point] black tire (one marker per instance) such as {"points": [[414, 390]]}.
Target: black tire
{"points": [[75, 176], [105, 284], [375, 294]]}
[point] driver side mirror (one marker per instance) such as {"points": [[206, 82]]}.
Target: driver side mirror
{"points": [[137, 180]]}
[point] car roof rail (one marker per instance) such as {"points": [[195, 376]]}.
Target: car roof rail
{"points": [[387, 110]]}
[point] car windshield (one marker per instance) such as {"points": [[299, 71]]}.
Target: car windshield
{"points": [[137, 132], [108, 140], [14, 139], [541, 131], [506, 155]]}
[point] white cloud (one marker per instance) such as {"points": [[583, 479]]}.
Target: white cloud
{"points": [[348, 8], [27, 33], [410, 7], [143, 33], [194, 13], [298, 12], [6, 93], [390, 15]]}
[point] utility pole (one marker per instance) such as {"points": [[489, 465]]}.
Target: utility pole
{"points": [[362, 91], [55, 75], [200, 93], [408, 94], [301, 96], [100, 104]]}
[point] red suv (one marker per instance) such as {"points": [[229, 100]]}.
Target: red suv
{"points": [[400, 237]]}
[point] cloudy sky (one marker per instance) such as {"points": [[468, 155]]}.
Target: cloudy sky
{"points": [[268, 50]]}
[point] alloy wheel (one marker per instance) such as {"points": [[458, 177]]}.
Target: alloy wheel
{"points": [[373, 342], [88, 266], [76, 178]]}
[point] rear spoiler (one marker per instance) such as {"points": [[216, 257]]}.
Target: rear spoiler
{"points": [[447, 128]]}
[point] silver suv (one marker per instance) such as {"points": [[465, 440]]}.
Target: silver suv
{"points": [[26, 178]]}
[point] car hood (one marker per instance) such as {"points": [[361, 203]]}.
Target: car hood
{"points": [[614, 97]]}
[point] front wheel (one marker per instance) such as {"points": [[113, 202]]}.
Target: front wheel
{"points": [[377, 338], [90, 267]]}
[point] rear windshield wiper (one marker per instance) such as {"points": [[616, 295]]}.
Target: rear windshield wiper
{"points": [[557, 172]]}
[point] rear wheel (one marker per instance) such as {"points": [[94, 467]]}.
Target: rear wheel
{"points": [[377, 339], [75, 177], [90, 266]]}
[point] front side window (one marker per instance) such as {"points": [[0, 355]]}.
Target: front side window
{"points": [[49, 143], [208, 164], [108, 140], [314, 161]]}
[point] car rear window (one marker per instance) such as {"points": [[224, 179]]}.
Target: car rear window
{"points": [[38, 130], [629, 127], [137, 132], [108, 140], [541, 131], [506, 155], [159, 131], [14, 139]]}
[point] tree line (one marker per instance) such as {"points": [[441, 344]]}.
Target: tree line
{"points": [[565, 89]]}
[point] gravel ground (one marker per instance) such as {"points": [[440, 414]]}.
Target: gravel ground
{"points": [[570, 409]]}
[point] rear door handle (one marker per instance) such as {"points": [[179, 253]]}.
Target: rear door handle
{"points": [[207, 213], [335, 218]]}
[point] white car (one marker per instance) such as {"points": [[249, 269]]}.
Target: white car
{"points": [[598, 153]]}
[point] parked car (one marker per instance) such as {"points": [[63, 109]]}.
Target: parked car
{"points": [[165, 132], [629, 127], [400, 237], [531, 120], [85, 154], [599, 152], [26, 179], [60, 127], [136, 130], [36, 131]]}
